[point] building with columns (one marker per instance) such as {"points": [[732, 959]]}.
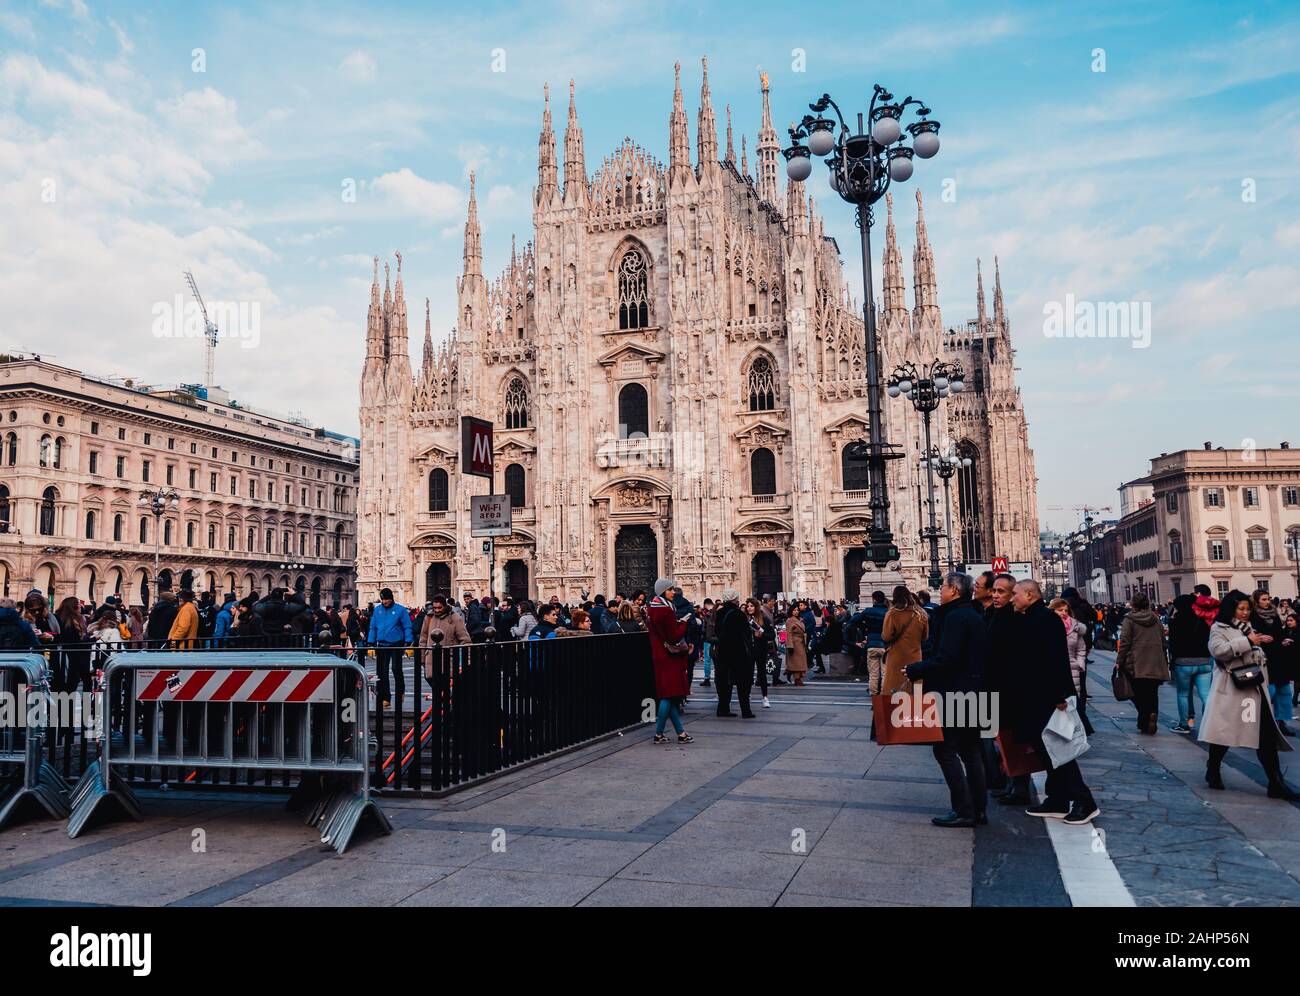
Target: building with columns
{"points": [[675, 369], [255, 492]]}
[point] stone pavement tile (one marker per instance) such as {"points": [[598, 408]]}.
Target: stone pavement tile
{"points": [[923, 885], [717, 865], [774, 835], [164, 868], [832, 752], [345, 881], [1286, 852], [625, 892], [586, 813], [921, 844], [780, 813], [427, 845], [480, 886], [563, 855], [795, 899]]}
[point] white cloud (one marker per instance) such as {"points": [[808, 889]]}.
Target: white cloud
{"points": [[429, 200], [18, 26], [359, 67]]}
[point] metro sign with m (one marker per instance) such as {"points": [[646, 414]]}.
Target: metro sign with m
{"points": [[476, 446]]}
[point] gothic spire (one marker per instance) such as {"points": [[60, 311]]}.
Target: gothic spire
{"points": [[679, 141], [473, 258], [428, 339], [547, 170], [707, 138], [893, 264], [375, 318], [925, 290], [796, 207], [575, 166], [744, 156], [731, 149], [999, 312], [767, 148], [979, 282]]}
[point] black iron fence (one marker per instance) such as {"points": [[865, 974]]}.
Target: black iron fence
{"points": [[456, 715]]}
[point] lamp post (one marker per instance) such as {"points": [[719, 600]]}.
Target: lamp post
{"points": [[159, 502], [945, 464], [862, 165], [925, 390], [1294, 540], [292, 567]]}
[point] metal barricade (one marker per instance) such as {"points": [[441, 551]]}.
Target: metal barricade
{"points": [[254, 711], [27, 780]]}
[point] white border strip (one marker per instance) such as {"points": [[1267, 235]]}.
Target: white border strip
{"points": [[1087, 872]]}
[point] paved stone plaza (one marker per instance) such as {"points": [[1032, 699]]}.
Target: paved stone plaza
{"points": [[715, 823]]}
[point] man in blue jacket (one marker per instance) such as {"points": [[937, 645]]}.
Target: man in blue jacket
{"points": [[390, 634]]}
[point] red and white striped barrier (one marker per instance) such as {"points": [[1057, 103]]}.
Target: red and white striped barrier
{"points": [[234, 685]]}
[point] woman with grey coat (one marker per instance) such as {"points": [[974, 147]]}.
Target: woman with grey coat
{"points": [[1241, 717]]}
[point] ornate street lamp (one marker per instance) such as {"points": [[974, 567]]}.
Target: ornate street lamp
{"points": [[925, 390], [945, 464], [861, 166], [158, 502]]}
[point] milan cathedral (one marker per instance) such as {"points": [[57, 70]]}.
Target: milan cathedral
{"points": [[675, 368]]}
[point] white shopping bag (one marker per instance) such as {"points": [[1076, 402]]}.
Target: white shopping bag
{"points": [[1063, 736]]}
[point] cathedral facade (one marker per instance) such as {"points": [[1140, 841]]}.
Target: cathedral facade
{"points": [[674, 368]]}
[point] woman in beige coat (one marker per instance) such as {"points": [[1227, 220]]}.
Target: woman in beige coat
{"points": [[796, 647], [1241, 717], [906, 628]]}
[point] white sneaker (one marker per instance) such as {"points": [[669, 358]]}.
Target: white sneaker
{"points": [[766, 704]]}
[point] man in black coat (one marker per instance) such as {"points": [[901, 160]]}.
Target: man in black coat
{"points": [[161, 617], [955, 670], [1042, 682], [1004, 633], [733, 661]]}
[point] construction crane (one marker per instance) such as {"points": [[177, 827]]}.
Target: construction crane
{"points": [[210, 334]]}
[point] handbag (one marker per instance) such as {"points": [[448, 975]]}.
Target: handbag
{"points": [[1018, 758], [906, 728], [679, 649], [1249, 673], [1121, 685]]}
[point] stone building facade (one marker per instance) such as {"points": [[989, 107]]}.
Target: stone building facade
{"points": [[256, 492], [674, 368]]}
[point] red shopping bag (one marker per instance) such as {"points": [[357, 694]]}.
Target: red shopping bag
{"points": [[900, 723], [1018, 758]]}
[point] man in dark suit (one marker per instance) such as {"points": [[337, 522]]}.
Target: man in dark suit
{"points": [[733, 663], [1041, 679], [955, 670]]}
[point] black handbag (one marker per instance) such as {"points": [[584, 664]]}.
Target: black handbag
{"points": [[1247, 675]]}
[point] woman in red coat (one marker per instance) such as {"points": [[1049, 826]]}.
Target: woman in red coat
{"points": [[666, 631]]}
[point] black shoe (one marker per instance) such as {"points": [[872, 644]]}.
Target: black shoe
{"points": [[1048, 810], [1281, 790], [951, 819], [705, 683], [982, 820], [1012, 799], [1213, 777], [1286, 729], [1081, 815], [726, 714], [779, 681]]}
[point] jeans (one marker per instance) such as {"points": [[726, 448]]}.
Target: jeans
{"points": [[1190, 676], [708, 661], [961, 759], [1283, 701], [386, 657], [667, 711]]}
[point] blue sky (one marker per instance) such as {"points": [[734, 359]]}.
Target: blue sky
{"points": [[1123, 185]]}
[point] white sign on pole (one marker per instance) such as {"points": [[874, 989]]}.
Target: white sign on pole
{"points": [[489, 515], [1017, 570]]}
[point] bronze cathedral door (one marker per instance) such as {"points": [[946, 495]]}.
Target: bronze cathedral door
{"points": [[636, 560]]}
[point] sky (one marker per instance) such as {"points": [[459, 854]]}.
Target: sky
{"points": [[1110, 154]]}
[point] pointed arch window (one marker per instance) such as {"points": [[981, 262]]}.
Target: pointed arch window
{"points": [[633, 293], [437, 490], [969, 507], [516, 405], [762, 385], [762, 472]]}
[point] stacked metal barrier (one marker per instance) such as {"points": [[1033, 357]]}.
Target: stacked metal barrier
{"points": [[245, 711], [27, 781]]}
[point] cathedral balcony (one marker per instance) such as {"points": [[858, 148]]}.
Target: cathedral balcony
{"points": [[652, 452], [756, 328], [850, 499], [765, 503]]}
